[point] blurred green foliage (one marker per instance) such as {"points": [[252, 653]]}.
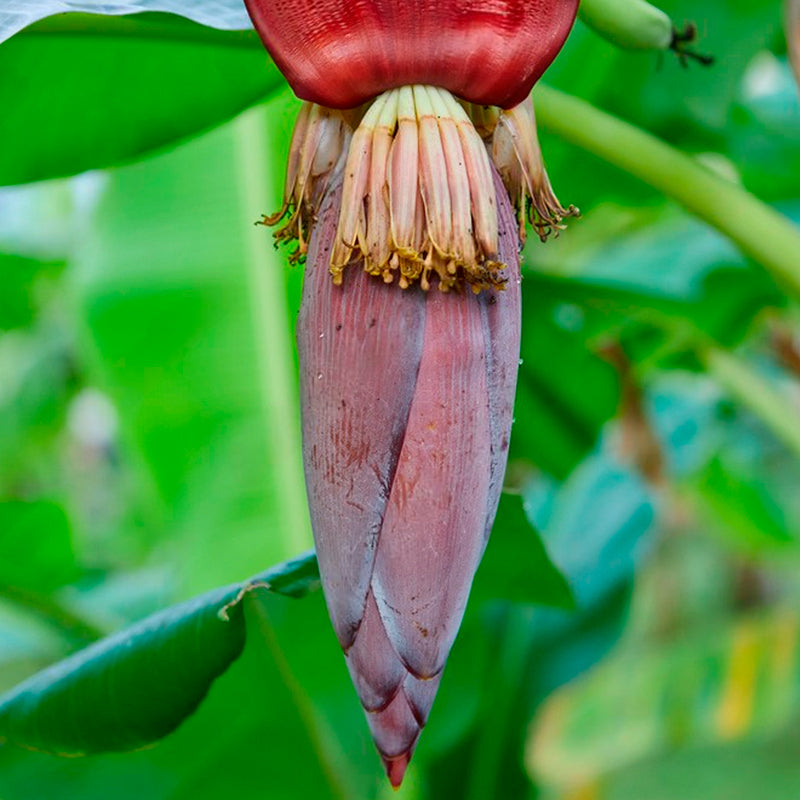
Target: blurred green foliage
{"points": [[83, 91], [150, 448]]}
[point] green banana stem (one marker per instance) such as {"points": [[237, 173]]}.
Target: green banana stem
{"points": [[759, 231]]}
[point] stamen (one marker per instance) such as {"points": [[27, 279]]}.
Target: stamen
{"points": [[418, 197], [462, 245], [433, 173], [484, 118], [403, 177], [351, 233], [293, 163], [518, 157], [320, 138], [378, 228], [481, 185]]}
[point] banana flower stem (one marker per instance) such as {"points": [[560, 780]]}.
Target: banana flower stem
{"points": [[759, 231]]}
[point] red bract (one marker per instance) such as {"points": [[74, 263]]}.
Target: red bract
{"points": [[407, 401], [341, 53]]}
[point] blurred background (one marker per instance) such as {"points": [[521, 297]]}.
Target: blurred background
{"points": [[150, 447]]}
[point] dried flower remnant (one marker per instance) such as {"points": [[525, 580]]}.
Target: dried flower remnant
{"points": [[319, 138]]}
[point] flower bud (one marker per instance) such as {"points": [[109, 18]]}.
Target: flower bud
{"points": [[407, 400]]}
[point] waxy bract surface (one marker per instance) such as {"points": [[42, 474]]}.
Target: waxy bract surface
{"points": [[341, 53], [407, 401]]}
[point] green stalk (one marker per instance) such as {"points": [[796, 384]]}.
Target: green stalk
{"points": [[277, 375], [760, 232], [752, 391]]}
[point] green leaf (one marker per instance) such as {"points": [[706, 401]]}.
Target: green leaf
{"points": [[226, 14], [66, 110], [516, 566], [35, 546], [130, 689], [729, 771], [138, 685], [669, 262], [184, 301], [282, 722], [17, 306], [37, 376], [596, 525], [565, 393], [771, 403], [751, 518], [726, 682], [764, 133], [770, 238]]}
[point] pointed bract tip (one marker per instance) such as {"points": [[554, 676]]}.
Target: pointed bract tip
{"points": [[396, 767]]}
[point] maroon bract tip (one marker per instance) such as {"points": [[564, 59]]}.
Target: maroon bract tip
{"points": [[396, 768]]}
